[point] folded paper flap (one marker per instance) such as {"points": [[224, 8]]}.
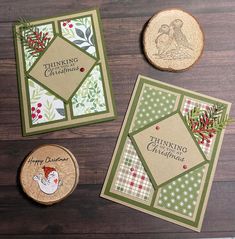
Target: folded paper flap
{"points": [[62, 67], [156, 107]]}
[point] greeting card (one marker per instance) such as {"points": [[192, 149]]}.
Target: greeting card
{"points": [[63, 76], [167, 151]]}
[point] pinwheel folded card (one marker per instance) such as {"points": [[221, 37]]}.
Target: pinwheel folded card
{"points": [[167, 151], [63, 76]]}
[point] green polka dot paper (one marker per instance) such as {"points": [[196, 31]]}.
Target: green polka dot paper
{"points": [[182, 195], [148, 110], [154, 104], [181, 200]]}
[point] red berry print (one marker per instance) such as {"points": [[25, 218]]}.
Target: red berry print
{"points": [[185, 167], [134, 174], [82, 69], [65, 23], [157, 127], [70, 25], [140, 186], [35, 112], [143, 178], [132, 184]]}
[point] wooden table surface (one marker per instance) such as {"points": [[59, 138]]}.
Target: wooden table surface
{"points": [[84, 214]]}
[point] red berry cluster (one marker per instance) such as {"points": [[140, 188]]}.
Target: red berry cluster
{"points": [[67, 22], [35, 112], [205, 132], [38, 41]]}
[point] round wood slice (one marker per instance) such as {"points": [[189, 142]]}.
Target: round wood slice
{"points": [[49, 174], [173, 40]]}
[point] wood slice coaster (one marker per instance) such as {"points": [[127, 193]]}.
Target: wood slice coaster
{"points": [[173, 40], [49, 174]]}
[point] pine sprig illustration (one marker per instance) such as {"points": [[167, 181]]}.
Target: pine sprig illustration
{"points": [[206, 123], [34, 40]]}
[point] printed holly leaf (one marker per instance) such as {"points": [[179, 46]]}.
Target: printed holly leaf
{"points": [[206, 123], [88, 32], [80, 33], [61, 111], [78, 42]]}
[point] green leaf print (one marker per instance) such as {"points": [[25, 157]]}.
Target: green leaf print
{"points": [[36, 95], [87, 38], [82, 22], [61, 111], [90, 96], [88, 32], [78, 42], [80, 33], [49, 111], [68, 33]]}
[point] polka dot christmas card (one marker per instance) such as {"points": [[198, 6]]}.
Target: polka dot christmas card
{"points": [[166, 154], [63, 76]]}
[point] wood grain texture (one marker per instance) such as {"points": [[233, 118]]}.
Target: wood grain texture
{"points": [[84, 214]]}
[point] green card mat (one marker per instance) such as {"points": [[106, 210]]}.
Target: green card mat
{"points": [[63, 76], [166, 154]]}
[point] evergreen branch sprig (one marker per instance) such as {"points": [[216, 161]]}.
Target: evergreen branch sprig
{"points": [[204, 124], [33, 40]]}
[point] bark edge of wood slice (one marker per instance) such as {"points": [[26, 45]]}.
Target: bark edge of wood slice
{"points": [[49, 174], [173, 40]]}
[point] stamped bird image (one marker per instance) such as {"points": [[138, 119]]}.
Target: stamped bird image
{"points": [[171, 43], [164, 39], [179, 37], [50, 183]]}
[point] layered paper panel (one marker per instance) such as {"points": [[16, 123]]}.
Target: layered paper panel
{"points": [[63, 76], [165, 157]]}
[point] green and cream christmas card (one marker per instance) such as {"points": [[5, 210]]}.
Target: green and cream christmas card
{"points": [[167, 151], [63, 76]]}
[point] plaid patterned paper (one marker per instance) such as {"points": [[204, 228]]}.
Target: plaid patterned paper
{"points": [[132, 178], [181, 199], [189, 104]]}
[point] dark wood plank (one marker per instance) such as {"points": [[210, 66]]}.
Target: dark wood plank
{"points": [[93, 155], [213, 76], [130, 30], [84, 212], [125, 235], [11, 10]]}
